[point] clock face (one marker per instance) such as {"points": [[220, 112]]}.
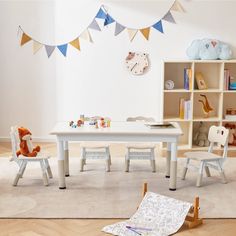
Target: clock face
{"points": [[137, 63]]}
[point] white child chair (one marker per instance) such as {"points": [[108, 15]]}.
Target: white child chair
{"points": [[22, 161], [98, 150], [217, 134], [140, 151]]}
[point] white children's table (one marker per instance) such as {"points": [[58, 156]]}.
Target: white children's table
{"points": [[118, 132]]}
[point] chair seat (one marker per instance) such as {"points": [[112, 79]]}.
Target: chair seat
{"points": [[37, 158], [201, 156], [140, 146]]}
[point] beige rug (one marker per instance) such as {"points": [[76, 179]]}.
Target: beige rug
{"points": [[97, 194]]}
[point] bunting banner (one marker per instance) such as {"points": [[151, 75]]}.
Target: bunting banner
{"points": [[103, 14]]}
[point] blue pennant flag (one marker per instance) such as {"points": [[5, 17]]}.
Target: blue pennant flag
{"points": [[158, 26], [101, 14], [63, 49], [108, 20]]}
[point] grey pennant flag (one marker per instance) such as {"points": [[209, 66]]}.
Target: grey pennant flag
{"points": [[168, 17], [119, 28], [49, 50], [94, 25]]}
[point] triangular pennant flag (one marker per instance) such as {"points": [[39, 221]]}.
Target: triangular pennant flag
{"points": [[119, 28], [101, 14], [49, 50], [24, 39], [94, 25], [158, 26], [36, 46], [75, 43], [168, 17], [177, 7], [63, 49], [108, 20], [132, 33], [145, 32], [86, 35]]}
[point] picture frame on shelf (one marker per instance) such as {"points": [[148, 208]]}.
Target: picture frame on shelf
{"points": [[201, 83]]}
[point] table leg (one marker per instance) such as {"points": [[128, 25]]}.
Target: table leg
{"points": [[173, 167], [66, 154], [168, 160], [61, 166]]}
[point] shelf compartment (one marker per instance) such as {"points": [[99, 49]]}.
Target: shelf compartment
{"points": [[171, 108], [214, 101], [229, 101], [232, 134], [212, 74], [195, 128], [175, 72]]}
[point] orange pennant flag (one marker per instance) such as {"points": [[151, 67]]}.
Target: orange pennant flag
{"points": [[145, 32], [75, 43], [25, 38]]}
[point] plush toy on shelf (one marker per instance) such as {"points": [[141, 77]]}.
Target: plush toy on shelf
{"points": [[26, 146], [209, 49], [201, 136], [232, 133]]}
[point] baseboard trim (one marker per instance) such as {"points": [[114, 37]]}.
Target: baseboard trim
{"points": [[35, 139]]}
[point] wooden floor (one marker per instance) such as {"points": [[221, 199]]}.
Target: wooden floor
{"points": [[92, 227]]}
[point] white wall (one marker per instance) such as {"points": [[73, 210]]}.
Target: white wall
{"points": [[95, 80]]}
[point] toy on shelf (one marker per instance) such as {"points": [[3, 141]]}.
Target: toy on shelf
{"points": [[26, 146], [201, 136], [232, 133], [230, 114], [205, 106], [209, 49]]}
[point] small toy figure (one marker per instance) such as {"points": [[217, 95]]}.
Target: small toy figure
{"points": [[80, 123], [108, 123], [26, 146], [72, 124], [102, 123], [82, 119], [206, 106], [96, 124]]}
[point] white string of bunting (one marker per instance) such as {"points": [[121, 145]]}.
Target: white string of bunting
{"points": [[108, 19]]}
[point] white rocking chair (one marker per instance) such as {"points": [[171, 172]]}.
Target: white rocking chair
{"points": [[22, 161], [92, 150], [140, 151], [217, 134]]}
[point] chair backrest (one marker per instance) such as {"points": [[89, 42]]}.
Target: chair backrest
{"points": [[15, 141], [218, 134], [141, 118]]}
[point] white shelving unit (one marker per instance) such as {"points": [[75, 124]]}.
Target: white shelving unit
{"points": [[219, 98]]}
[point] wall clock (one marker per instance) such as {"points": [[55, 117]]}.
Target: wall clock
{"points": [[137, 63]]}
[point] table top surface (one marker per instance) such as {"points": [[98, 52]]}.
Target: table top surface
{"points": [[117, 128]]}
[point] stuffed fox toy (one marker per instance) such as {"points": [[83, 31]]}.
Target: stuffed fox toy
{"points": [[26, 147]]}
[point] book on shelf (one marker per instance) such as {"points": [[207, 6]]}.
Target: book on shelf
{"points": [[185, 109], [226, 79], [187, 78]]}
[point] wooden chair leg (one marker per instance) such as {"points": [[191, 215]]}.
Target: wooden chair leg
{"points": [[44, 173], [20, 173], [127, 163], [208, 173], [49, 171]]}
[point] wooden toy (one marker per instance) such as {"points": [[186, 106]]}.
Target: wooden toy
{"points": [[192, 220], [205, 105]]}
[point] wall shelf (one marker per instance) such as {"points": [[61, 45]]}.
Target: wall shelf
{"points": [[219, 98]]}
